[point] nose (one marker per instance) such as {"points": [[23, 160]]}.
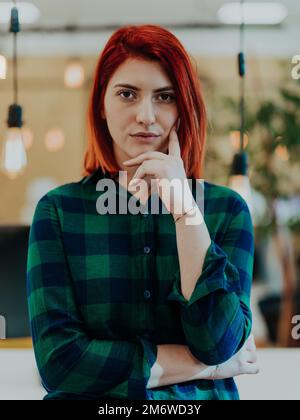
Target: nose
{"points": [[146, 113]]}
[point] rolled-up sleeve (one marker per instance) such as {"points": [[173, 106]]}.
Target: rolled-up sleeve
{"points": [[217, 319], [69, 361]]}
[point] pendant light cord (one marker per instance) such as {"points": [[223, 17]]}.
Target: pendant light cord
{"points": [[15, 70], [242, 70], [14, 28]]}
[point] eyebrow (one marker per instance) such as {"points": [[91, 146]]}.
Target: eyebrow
{"points": [[162, 89]]}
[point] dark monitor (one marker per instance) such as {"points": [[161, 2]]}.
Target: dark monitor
{"points": [[13, 297]]}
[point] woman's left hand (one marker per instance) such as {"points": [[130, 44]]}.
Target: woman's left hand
{"points": [[167, 169], [243, 362]]}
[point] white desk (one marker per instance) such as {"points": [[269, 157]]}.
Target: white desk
{"points": [[279, 376], [19, 379]]}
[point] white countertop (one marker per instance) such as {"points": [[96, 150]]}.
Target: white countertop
{"points": [[279, 376]]}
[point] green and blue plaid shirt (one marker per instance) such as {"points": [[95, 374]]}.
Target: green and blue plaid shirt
{"points": [[104, 290]]}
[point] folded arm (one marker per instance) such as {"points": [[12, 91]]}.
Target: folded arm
{"points": [[175, 364], [69, 361], [216, 318]]}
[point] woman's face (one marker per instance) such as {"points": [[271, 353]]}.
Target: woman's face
{"points": [[139, 107]]}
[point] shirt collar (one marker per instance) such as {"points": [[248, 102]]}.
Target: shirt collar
{"points": [[95, 176]]}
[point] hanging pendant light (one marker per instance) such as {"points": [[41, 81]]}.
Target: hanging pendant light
{"points": [[13, 152], [13, 157], [239, 180]]}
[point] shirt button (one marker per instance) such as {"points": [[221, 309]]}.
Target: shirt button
{"points": [[145, 215], [147, 294], [147, 249]]}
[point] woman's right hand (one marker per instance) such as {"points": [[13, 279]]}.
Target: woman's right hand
{"points": [[243, 362]]}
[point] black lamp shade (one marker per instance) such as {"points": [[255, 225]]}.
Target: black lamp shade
{"points": [[15, 116], [14, 21], [240, 164]]}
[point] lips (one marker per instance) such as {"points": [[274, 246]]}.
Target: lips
{"points": [[141, 134], [146, 137]]}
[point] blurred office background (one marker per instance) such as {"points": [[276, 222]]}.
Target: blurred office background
{"points": [[58, 46]]}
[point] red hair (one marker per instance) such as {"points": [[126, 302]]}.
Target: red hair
{"points": [[150, 42]]}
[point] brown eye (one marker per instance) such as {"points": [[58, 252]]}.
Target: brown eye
{"points": [[126, 92], [167, 97]]}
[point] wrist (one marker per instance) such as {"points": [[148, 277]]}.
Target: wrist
{"points": [[215, 372], [187, 207], [190, 211], [192, 216], [182, 203], [210, 373], [207, 373]]}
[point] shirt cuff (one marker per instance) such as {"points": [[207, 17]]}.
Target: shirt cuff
{"points": [[217, 273], [150, 356]]}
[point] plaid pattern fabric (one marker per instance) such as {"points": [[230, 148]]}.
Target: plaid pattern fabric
{"points": [[104, 290]]}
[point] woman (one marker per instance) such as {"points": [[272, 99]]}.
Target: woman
{"points": [[142, 306]]}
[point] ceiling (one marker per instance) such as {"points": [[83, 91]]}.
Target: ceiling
{"points": [[73, 27]]}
